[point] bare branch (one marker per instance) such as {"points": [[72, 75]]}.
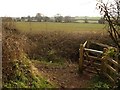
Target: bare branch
{"points": [[111, 13]]}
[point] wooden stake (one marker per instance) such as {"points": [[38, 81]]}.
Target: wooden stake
{"points": [[81, 58]]}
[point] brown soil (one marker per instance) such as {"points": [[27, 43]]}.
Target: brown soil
{"points": [[65, 76]]}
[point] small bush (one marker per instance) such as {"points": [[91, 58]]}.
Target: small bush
{"points": [[100, 82]]}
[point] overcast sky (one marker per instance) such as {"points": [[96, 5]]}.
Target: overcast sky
{"points": [[17, 8]]}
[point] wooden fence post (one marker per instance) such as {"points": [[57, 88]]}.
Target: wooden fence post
{"points": [[104, 59], [81, 58], [118, 59]]}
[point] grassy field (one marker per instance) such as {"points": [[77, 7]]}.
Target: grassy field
{"points": [[50, 26]]}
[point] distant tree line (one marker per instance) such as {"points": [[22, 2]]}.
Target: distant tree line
{"points": [[57, 18], [41, 18]]}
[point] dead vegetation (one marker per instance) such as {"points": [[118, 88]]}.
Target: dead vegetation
{"points": [[60, 44]]}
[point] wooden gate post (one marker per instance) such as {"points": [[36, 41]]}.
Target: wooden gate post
{"points": [[81, 58], [104, 60], [118, 60]]}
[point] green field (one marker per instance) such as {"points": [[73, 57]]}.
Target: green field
{"points": [[51, 26]]}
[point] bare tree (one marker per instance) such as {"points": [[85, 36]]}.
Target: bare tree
{"points": [[67, 19], [86, 20], [29, 18], [46, 19], [39, 17], [111, 13], [58, 18]]}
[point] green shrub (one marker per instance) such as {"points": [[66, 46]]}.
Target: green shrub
{"points": [[100, 82], [111, 52]]}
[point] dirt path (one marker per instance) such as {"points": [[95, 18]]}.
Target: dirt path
{"points": [[64, 76]]}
